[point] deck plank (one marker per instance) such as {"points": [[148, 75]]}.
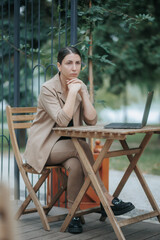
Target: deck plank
{"points": [[29, 227]]}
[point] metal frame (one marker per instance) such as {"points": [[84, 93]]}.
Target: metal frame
{"points": [[16, 55]]}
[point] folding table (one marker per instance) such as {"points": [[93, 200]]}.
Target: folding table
{"points": [[133, 155]]}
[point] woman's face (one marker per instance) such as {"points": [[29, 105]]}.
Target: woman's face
{"points": [[70, 66]]}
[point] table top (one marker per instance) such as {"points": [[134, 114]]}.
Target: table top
{"points": [[98, 131]]}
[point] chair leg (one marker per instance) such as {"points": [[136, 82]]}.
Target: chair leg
{"points": [[32, 196], [28, 199]]}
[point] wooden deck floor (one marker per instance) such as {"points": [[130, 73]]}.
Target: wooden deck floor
{"points": [[30, 227]]}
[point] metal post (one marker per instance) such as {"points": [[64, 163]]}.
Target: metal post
{"points": [[74, 22], [16, 81], [90, 70], [90, 62]]}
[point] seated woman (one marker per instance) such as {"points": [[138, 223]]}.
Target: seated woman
{"points": [[64, 101]]}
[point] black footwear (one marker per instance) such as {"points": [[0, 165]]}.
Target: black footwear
{"points": [[119, 207], [75, 226]]}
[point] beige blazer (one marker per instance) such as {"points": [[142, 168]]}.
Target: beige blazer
{"points": [[49, 115]]}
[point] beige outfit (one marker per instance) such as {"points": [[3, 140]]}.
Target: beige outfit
{"points": [[50, 114], [43, 147]]}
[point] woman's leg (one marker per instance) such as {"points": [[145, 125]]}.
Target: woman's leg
{"points": [[69, 158], [75, 178], [65, 153]]}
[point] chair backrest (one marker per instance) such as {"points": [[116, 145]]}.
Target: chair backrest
{"points": [[19, 118]]}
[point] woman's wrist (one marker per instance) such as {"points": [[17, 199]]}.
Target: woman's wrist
{"points": [[73, 91], [83, 93]]}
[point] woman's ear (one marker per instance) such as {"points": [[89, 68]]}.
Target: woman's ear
{"points": [[59, 66]]}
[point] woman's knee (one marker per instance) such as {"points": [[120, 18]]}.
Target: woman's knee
{"points": [[74, 166]]}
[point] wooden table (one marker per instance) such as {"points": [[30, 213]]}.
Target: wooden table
{"points": [[133, 155]]}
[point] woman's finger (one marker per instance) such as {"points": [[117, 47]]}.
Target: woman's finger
{"points": [[74, 80]]}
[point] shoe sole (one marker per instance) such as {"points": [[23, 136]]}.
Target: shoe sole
{"points": [[126, 210]]}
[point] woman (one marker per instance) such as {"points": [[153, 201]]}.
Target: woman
{"points": [[64, 101]]}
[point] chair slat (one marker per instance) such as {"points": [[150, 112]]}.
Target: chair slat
{"points": [[23, 117], [22, 125], [24, 110]]}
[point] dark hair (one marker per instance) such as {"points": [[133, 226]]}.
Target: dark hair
{"points": [[65, 51]]}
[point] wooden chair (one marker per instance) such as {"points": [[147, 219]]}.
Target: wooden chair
{"points": [[21, 118]]}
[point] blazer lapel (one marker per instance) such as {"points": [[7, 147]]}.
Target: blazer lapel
{"points": [[59, 88]]}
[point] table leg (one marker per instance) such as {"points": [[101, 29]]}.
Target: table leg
{"points": [[144, 184], [92, 178], [133, 166], [133, 161]]}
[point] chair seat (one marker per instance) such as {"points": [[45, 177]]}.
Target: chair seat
{"points": [[29, 169], [46, 169]]}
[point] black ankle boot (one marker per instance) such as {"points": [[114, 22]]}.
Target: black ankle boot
{"points": [[75, 226], [119, 207]]}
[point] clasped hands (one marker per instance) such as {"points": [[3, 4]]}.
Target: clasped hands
{"points": [[77, 85]]}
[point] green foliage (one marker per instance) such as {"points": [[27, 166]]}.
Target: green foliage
{"points": [[125, 42], [35, 47]]}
